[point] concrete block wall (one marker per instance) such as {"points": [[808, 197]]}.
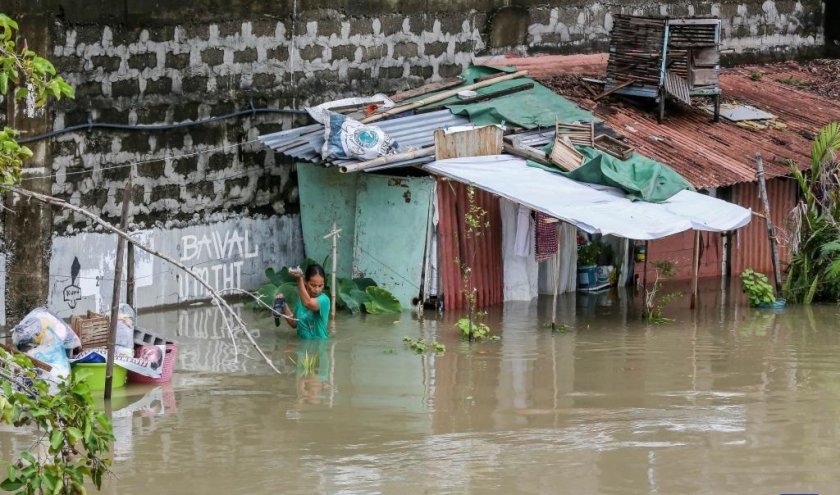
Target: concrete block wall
{"points": [[156, 68], [171, 62]]}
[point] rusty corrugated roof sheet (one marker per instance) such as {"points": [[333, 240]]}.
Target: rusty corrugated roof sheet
{"points": [[706, 154]]}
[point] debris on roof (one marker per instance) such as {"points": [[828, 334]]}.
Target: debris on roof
{"points": [[708, 155]]}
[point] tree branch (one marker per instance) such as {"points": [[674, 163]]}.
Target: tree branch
{"points": [[216, 297]]}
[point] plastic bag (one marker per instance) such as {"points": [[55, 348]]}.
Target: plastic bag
{"points": [[346, 138], [45, 337]]}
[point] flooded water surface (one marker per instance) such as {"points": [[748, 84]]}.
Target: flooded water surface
{"points": [[726, 399]]}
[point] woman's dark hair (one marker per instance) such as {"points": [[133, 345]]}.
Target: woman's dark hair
{"points": [[314, 269]]}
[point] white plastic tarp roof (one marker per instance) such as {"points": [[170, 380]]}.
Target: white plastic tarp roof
{"points": [[594, 209]]}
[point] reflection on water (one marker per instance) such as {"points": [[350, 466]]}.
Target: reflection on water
{"points": [[725, 400]]}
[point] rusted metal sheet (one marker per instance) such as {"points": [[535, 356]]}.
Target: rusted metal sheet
{"points": [[679, 249], [484, 252], [750, 246], [711, 155]]}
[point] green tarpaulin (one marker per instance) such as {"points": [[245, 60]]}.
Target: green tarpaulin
{"points": [[529, 109], [640, 177]]}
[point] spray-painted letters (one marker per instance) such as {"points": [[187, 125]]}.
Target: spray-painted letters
{"points": [[216, 257]]}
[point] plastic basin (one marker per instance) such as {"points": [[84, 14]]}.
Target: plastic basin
{"points": [[96, 377]]}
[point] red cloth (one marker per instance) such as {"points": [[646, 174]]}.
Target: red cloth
{"points": [[546, 237]]}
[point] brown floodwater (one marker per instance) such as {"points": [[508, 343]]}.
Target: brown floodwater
{"points": [[726, 399]]}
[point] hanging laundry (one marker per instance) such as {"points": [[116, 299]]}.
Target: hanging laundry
{"points": [[522, 245], [546, 237]]}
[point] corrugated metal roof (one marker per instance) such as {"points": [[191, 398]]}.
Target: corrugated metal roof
{"points": [[707, 154], [413, 131]]}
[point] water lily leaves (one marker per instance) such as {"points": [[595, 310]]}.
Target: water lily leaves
{"points": [[381, 301]]}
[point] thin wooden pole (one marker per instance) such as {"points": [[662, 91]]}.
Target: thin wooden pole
{"points": [[771, 233], [115, 298], [556, 283], [695, 268], [129, 276], [334, 268]]}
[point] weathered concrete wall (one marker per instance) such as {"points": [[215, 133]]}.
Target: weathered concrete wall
{"points": [[175, 62], [231, 254]]}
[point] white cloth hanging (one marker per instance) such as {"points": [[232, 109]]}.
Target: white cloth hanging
{"points": [[521, 273]]}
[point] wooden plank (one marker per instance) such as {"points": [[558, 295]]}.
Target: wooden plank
{"points": [[479, 98], [677, 87], [614, 89], [480, 141], [564, 155], [427, 88]]}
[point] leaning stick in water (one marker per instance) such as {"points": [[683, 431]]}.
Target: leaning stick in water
{"points": [[217, 299]]}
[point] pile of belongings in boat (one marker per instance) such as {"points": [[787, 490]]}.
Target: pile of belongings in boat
{"points": [[46, 337]]}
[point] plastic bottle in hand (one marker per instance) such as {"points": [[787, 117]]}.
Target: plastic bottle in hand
{"points": [[279, 307]]}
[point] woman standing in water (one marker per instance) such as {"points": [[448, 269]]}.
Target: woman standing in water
{"points": [[312, 310]]}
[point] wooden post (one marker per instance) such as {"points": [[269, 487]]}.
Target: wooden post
{"points": [[556, 283], [771, 233], [695, 268], [115, 298], [129, 276], [334, 235], [334, 268]]}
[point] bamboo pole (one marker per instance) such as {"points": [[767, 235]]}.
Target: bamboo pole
{"points": [[385, 160], [214, 294], [441, 96], [771, 233], [115, 297], [556, 283], [695, 268], [334, 235]]}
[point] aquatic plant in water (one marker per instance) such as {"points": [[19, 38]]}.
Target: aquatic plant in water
{"points": [[655, 301], [757, 288], [420, 347], [814, 224]]}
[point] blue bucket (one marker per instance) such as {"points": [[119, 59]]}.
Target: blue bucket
{"points": [[586, 276]]}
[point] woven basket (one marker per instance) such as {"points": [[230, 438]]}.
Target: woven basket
{"points": [[166, 372], [91, 329]]}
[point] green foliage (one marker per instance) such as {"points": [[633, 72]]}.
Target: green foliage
{"points": [[381, 301], [793, 81], [588, 253], [30, 77], [307, 364], [476, 218], [814, 271], [476, 327], [655, 301], [756, 76], [420, 347], [757, 288], [354, 295], [76, 439]]}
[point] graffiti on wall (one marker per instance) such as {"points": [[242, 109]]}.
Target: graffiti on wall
{"points": [[217, 257], [73, 293]]}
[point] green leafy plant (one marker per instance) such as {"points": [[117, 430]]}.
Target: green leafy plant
{"points": [[814, 225], [588, 253], [475, 329], [793, 81], [420, 347], [655, 300], [308, 363], [76, 439], [354, 295], [477, 221], [28, 75], [756, 76], [757, 288]]}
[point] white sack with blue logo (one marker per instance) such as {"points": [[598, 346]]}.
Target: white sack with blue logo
{"points": [[348, 139]]}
